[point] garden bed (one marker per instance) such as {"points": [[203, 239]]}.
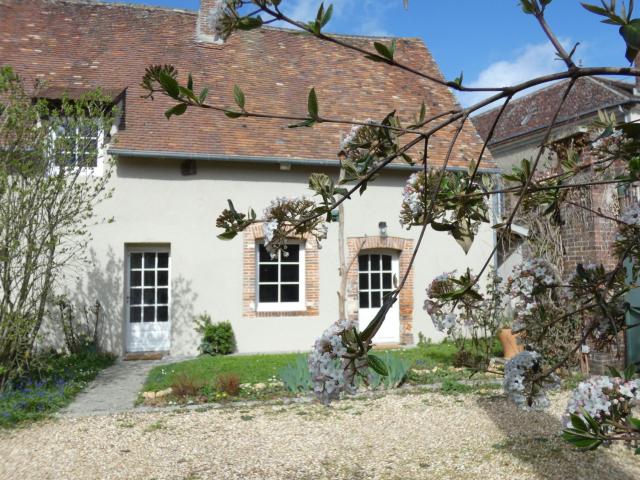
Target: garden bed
{"points": [[50, 387]]}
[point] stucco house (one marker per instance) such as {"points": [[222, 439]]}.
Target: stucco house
{"points": [[160, 263]]}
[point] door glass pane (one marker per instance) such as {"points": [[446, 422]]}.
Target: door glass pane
{"points": [[363, 263], [136, 296], [135, 314], [163, 278], [289, 293], [136, 260], [375, 262], [386, 280], [163, 296], [150, 260], [149, 278], [375, 299], [293, 254], [135, 278], [149, 314], [163, 260], [375, 280], [290, 273], [386, 262], [364, 300], [149, 296], [364, 281], [268, 293], [163, 314]]}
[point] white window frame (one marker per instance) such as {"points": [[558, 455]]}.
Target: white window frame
{"points": [[300, 305], [101, 154]]}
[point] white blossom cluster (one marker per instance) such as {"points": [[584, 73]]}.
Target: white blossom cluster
{"points": [[331, 372], [526, 278], [518, 381], [349, 143], [443, 321], [413, 197], [603, 398]]}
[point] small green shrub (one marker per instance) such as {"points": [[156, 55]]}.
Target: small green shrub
{"points": [[397, 368], [217, 338], [296, 376], [452, 387]]}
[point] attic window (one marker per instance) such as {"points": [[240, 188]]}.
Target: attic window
{"points": [[78, 144]]}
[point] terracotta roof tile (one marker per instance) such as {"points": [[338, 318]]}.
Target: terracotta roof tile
{"points": [[533, 112], [79, 45]]}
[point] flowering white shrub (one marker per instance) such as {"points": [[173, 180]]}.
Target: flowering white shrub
{"points": [[333, 371], [520, 382], [603, 398]]}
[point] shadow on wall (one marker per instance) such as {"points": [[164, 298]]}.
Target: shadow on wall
{"points": [[104, 281], [527, 439]]}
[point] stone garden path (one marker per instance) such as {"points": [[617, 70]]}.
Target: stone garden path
{"points": [[114, 390]]}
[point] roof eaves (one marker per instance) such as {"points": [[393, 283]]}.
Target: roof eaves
{"points": [[263, 160]]}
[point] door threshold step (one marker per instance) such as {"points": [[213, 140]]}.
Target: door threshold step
{"points": [[143, 356]]}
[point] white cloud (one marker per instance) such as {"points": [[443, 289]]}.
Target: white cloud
{"points": [[365, 17], [531, 61]]}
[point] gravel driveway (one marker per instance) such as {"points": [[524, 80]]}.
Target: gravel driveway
{"points": [[409, 436]]}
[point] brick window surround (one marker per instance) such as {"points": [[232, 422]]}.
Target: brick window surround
{"points": [[404, 248], [251, 236]]}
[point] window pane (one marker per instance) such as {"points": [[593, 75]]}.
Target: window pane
{"points": [[290, 273], [163, 278], [363, 263], [293, 252], [364, 300], [163, 260], [150, 260], [268, 293], [149, 278], [375, 299], [136, 260], [364, 281], [149, 296], [135, 279], [135, 314], [289, 293], [163, 295], [375, 262], [163, 314], [149, 314], [136, 296], [375, 280], [386, 280], [268, 273], [386, 262], [264, 255]]}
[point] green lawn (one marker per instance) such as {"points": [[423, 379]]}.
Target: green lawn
{"points": [[263, 368]]}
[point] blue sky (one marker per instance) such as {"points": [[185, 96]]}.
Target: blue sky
{"points": [[492, 41]]}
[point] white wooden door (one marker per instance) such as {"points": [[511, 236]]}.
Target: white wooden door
{"points": [[376, 271], [148, 299]]}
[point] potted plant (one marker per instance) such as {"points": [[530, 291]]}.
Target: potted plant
{"points": [[508, 339]]}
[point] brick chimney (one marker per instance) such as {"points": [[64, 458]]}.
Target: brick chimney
{"points": [[209, 12]]}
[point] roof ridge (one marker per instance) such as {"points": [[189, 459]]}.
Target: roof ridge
{"points": [[518, 99], [137, 6]]}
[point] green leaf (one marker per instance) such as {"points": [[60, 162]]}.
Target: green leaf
{"points": [[312, 104], [203, 95], [384, 51], [238, 95], [631, 35], [327, 16], [249, 23], [169, 84], [377, 365], [176, 110], [190, 82], [227, 235], [232, 114]]}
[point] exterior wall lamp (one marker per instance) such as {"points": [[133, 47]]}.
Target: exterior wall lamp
{"points": [[382, 226]]}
